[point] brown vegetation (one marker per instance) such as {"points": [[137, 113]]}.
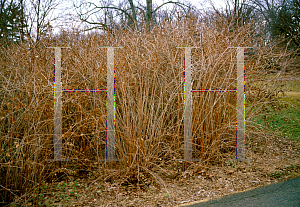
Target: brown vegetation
{"points": [[149, 103]]}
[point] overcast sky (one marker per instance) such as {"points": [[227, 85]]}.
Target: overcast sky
{"points": [[66, 7], [197, 3]]}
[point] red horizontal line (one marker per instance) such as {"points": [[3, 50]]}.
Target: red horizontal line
{"points": [[215, 90], [84, 90]]}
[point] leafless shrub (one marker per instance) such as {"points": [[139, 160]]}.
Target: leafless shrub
{"points": [[149, 101]]}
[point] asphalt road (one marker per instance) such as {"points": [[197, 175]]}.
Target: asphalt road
{"points": [[285, 193]]}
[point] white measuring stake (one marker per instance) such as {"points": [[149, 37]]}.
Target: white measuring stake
{"points": [[240, 108], [110, 155], [57, 107], [188, 105], [188, 126], [110, 121], [240, 140]]}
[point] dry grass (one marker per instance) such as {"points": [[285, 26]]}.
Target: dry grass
{"points": [[149, 102]]}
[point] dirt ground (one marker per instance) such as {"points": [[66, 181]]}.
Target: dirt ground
{"points": [[273, 161]]}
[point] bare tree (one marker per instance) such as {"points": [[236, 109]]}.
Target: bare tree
{"points": [[127, 11], [38, 16], [237, 12], [281, 18]]}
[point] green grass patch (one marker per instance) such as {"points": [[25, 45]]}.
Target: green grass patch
{"points": [[284, 121]]}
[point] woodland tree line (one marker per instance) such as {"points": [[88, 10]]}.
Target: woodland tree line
{"points": [[23, 20]]}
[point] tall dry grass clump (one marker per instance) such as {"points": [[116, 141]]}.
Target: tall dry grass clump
{"points": [[149, 87]]}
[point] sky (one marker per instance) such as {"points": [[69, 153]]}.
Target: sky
{"points": [[197, 3], [66, 6]]}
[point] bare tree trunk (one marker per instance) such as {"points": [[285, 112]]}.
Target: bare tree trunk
{"points": [[38, 21], [132, 22], [149, 14], [235, 13]]}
